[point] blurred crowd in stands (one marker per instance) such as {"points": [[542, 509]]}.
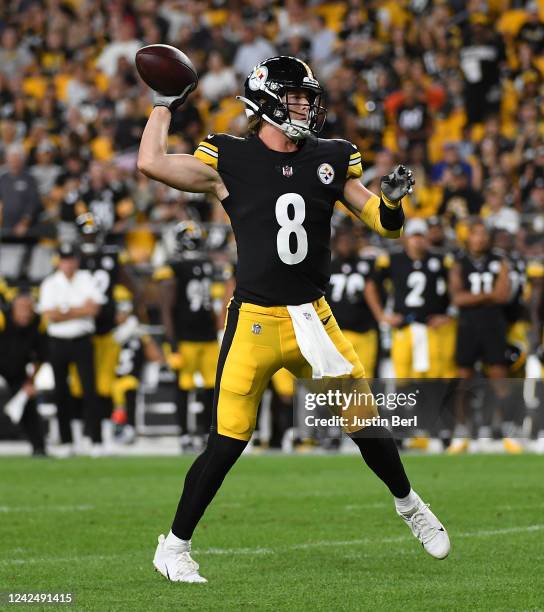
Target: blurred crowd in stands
{"points": [[455, 89]]}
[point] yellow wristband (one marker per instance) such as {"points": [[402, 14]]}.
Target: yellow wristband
{"points": [[389, 203]]}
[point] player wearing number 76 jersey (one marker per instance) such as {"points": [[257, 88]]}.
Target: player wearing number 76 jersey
{"points": [[279, 186]]}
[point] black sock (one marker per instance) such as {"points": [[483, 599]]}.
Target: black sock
{"points": [[203, 481], [181, 406], [204, 418], [130, 406], [382, 456]]}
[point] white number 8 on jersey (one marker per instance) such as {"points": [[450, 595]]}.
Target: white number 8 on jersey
{"points": [[290, 226]]}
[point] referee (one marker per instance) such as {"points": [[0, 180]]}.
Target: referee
{"points": [[70, 300]]}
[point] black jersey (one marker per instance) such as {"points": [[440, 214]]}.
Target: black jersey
{"points": [[345, 293], [280, 207], [194, 317], [107, 204], [19, 346], [104, 266], [419, 286], [479, 275], [131, 358], [515, 309]]}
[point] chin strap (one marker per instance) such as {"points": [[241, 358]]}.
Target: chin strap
{"points": [[292, 130]]}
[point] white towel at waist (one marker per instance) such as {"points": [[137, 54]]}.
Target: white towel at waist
{"points": [[420, 347], [315, 345]]}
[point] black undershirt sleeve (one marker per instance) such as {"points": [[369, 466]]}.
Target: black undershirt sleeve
{"points": [[391, 218]]}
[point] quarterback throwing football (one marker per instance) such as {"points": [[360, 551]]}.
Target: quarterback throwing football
{"points": [[278, 186]]}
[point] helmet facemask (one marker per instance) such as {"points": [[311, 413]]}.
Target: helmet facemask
{"points": [[298, 112]]}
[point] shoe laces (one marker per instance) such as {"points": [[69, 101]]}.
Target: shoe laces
{"points": [[185, 564], [421, 526]]}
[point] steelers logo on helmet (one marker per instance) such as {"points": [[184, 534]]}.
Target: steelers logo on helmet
{"points": [[257, 78], [325, 172]]}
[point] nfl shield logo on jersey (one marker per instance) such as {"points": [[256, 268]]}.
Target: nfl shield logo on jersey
{"points": [[287, 171], [256, 328], [325, 172]]}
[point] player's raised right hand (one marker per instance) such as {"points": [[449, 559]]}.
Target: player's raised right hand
{"points": [[172, 103]]}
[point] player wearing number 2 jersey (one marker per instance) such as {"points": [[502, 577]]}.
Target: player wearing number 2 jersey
{"points": [[423, 337], [279, 186]]}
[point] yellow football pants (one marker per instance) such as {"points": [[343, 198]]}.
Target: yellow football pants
{"points": [[441, 352], [366, 347], [120, 388], [106, 355], [258, 341], [197, 357]]}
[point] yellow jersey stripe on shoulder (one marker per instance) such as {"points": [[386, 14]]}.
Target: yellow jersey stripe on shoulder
{"points": [[355, 170], [207, 149], [163, 273], [211, 146], [356, 155], [207, 157], [2, 321]]}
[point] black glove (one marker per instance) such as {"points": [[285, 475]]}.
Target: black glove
{"points": [[172, 103], [396, 185]]}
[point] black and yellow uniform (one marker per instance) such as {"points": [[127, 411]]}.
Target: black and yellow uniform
{"points": [[515, 312], [20, 346], [282, 231], [280, 207], [420, 290], [104, 266], [194, 319], [108, 204], [535, 274], [345, 295], [482, 329], [128, 374]]}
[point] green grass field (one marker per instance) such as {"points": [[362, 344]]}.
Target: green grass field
{"points": [[284, 533]]}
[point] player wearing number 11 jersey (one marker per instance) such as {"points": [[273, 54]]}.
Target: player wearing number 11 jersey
{"points": [[279, 186]]}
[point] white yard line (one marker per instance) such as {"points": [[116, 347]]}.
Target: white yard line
{"points": [[479, 533], [68, 508]]}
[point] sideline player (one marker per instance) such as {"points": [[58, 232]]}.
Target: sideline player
{"points": [[279, 186], [190, 324], [480, 287], [347, 295]]}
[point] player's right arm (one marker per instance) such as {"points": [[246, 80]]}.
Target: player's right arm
{"points": [[181, 171]]}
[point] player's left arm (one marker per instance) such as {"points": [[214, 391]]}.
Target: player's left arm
{"points": [[383, 214], [501, 290]]}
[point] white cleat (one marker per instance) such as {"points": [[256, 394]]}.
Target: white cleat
{"points": [[175, 565], [428, 530]]}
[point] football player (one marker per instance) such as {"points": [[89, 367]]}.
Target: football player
{"points": [[190, 323], [480, 287], [106, 264], [278, 186], [515, 311], [136, 347], [423, 334], [346, 295], [423, 339]]}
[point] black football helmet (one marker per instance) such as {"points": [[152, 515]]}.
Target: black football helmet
{"points": [[190, 237], [267, 91], [91, 232]]}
